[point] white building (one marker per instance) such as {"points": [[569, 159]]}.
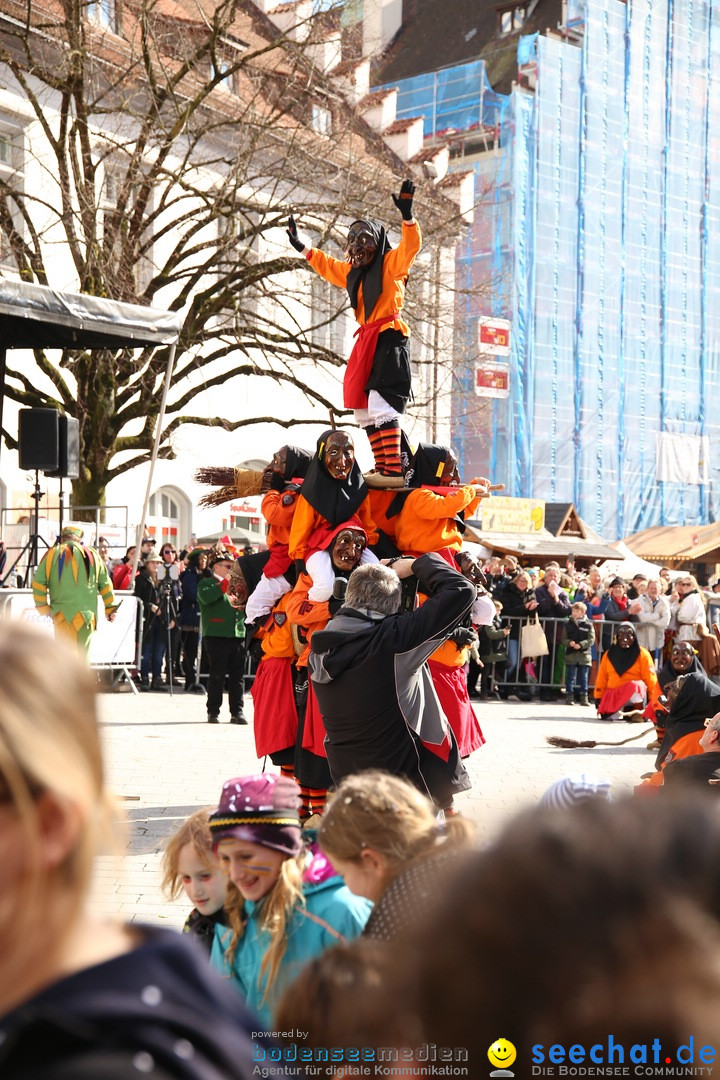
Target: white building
{"points": [[346, 139]]}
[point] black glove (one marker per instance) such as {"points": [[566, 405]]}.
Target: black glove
{"points": [[293, 237], [277, 482], [463, 636], [404, 200]]}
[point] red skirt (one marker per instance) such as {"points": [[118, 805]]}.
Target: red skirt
{"points": [[314, 733], [614, 700], [451, 688], [275, 716]]}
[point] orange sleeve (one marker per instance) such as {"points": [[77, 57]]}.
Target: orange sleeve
{"points": [[311, 615], [431, 506], [649, 677], [333, 270], [274, 512], [364, 512], [601, 680], [401, 258]]}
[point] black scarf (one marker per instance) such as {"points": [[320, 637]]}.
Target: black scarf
{"points": [[623, 659], [698, 699], [335, 500], [426, 468], [370, 276], [297, 462]]}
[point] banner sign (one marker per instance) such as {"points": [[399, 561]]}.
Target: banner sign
{"points": [[500, 513], [492, 380], [493, 336], [112, 645]]}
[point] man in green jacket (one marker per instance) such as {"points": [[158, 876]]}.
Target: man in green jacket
{"points": [[66, 585], [223, 632]]}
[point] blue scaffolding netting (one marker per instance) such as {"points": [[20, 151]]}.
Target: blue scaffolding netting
{"points": [[597, 232]]}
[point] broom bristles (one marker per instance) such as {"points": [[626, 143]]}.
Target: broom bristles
{"points": [[216, 475], [217, 497], [570, 744], [588, 744]]}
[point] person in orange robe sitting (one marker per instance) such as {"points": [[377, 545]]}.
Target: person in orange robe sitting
{"points": [[377, 378], [626, 678], [333, 491], [428, 515]]}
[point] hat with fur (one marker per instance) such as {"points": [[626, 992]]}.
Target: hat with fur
{"points": [[260, 809]]}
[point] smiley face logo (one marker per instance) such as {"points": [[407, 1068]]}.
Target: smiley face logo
{"points": [[502, 1053]]}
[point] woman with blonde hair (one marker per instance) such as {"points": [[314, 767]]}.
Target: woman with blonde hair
{"points": [[383, 836], [80, 997], [285, 902]]}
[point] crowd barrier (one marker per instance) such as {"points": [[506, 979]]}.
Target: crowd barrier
{"points": [[114, 645], [546, 672]]}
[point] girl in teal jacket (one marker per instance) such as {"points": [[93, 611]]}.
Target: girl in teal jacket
{"points": [[285, 902]]}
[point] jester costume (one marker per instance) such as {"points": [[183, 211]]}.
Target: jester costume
{"points": [[66, 586]]}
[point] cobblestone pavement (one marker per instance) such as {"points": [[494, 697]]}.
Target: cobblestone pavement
{"points": [[164, 761]]}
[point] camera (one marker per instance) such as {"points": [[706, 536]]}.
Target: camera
{"points": [[168, 572]]}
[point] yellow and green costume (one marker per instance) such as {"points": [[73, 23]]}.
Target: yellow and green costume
{"points": [[66, 584]]}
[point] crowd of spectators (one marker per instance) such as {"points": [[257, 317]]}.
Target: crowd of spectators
{"points": [[661, 609]]}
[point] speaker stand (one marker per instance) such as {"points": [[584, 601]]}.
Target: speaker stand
{"points": [[31, 547]]}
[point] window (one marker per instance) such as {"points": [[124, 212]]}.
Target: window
{"points": [[329, 320], [11, 185], [142, 267], [512, 19], [169, 517], [321, 120], [103, 12]]}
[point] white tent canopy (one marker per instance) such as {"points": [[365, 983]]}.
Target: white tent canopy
{"points": [[627, 565]]}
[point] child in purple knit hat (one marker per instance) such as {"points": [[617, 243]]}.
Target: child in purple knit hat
{"points": [[285, 902]]}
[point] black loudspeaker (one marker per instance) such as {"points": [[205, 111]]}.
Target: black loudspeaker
{"points": [[38, 439], [68, 448]]}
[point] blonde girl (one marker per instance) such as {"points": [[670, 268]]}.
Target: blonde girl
{"points": [[190, 864], [285, 902], [384, 838], [80, 996]]}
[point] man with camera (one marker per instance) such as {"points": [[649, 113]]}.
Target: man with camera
{"points": [[369, 672]]}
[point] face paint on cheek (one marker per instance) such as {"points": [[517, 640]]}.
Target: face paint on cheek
{"points": [[259, 869]]}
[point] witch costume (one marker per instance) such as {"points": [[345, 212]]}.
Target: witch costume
{"points": [[278, 509], [377, 378], [625, 679], [323, 504]]}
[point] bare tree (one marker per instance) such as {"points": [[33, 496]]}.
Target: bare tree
{"points": [[165, 150]]}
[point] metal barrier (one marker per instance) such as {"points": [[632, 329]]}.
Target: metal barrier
{"points": [[114, 645], [546, 672]]}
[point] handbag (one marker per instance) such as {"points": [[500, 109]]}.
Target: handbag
{"points": [[532, 639]]}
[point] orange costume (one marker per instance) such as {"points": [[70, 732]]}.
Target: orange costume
{"points": [[643, 670], [275, 715], [307, 522], [426, 521], [447, 667], [385, 313]]}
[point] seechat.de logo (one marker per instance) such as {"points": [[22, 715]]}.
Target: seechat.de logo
{"points": [[502, 1053]]}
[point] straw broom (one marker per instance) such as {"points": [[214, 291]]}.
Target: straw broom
{"points": [[562, 743], [229, 483]]}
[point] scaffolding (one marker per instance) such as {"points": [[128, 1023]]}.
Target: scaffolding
{"points": [[602, 243]]}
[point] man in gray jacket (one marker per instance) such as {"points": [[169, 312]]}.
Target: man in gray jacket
{"points": [[368, 668]]}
